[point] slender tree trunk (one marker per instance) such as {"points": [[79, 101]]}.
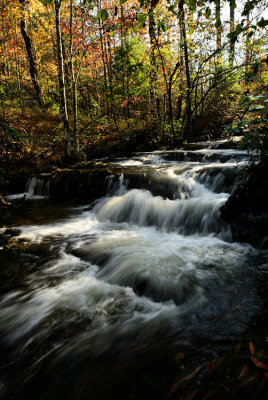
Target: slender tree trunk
{"points": [[218, 28], [152, 71], [188, 111], [247, 47], [123, 49], [104, 68], [181, 58], [30, 54], [18, 74], [62, 88], [6, 67], [110, 77], [232, 44], [74, 83], [97, 87]]}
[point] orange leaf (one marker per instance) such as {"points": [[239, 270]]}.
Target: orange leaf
{"points": [[243, 372], [190, 376], [258, 363], [179, 357], [266, 374], [193, 394], [251, 348], [211, 366]]}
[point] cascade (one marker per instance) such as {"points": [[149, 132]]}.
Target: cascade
{"points": [[147, 266]]}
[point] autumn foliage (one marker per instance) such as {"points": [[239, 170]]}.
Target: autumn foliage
{"points": [[132, 70]]}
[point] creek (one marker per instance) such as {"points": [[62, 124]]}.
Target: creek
{"points": [[105, 294]]}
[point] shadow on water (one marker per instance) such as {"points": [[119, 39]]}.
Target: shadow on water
{"points": [[123, 297]]}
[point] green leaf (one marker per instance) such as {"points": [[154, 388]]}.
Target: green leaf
{"points": [[162, 26], [172, 7], [191, 31], [244, 101], [232, 4], [218, 23], [249, 6], [208, 12], [103, 15], [142, 19], [192, 5], [262, 23]]}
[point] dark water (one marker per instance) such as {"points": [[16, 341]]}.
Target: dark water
{"points": [[102, 297]]}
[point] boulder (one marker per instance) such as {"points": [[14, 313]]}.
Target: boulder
{"points": [[247, 207]]}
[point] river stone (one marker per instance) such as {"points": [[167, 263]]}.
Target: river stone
{"points": [[247, 207]]}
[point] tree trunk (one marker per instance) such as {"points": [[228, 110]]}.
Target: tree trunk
{"points": [[62, 88], [30, 54], [18, 73], [181, 51], [74, 83], [152, 72], [188, 111], [218, 28], [232, 44], [6, 67], [247, 61], [104, 68]]}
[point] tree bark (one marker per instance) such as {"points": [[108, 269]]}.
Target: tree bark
{"points": [[152, 71], [232, 44], [4, 42], [247, 46], [62, 88], [218, 28], [188, 111], [74, 83], [30, 54], [181, 57]]}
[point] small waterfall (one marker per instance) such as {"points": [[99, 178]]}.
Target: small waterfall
{"points": [[185, 216], [37, 187], [147, 265]]}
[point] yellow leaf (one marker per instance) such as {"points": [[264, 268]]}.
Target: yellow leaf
{"points": [[179, 357], [251, 348]]}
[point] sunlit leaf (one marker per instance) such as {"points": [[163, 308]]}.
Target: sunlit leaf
{"points": [[243, 372], [251, 348], [258, 363]]}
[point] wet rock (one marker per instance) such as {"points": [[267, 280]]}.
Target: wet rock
{"points": [[247, 207], [87, 184]]}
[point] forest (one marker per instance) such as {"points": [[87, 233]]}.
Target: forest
{"points": [[92, 78], [133, 199]]}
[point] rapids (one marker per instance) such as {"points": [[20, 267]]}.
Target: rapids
{"points": [[116, 288]]}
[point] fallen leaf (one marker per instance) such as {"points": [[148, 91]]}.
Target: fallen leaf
{"points": [[258, 363], [249, 380], [243, 372], [192, 375], [237, 347], [251, 348], [179, 357], [211, 366], [193, 394]]}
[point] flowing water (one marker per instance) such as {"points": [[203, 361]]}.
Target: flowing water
{"points": [[106, 294]]}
